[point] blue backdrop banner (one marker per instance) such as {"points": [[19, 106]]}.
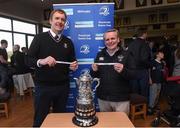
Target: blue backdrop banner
{"points": [[85, 26]]}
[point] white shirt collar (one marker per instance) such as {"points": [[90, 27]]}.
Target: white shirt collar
{"points": [[54, 34], [157, 61], [111, 54]]}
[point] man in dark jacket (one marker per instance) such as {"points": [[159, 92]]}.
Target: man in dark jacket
{"points": [[112, 65], [140, 51], [51, 78], [18, 61], [3, 67]]}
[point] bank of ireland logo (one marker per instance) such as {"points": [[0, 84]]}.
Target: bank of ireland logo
{"points": [[85, 49], [66, 25], [85, 71], [104, 10]]}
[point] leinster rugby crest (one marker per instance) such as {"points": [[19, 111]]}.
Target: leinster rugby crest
{"points": [[101, 58], [120, 58], [65, 45]]}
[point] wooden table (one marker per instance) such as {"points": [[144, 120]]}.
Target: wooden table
{"points": [[106, 119]]}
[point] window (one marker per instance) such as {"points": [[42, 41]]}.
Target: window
{"points": [[7, 36], [16, 32], [45, 29], [5, 24], [20, 39], [20, 26], [30, 38]]}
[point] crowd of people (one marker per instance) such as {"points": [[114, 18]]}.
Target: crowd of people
{"points": [[139, 68]]}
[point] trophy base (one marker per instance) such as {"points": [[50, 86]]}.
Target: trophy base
{"points": [[85, 122]]}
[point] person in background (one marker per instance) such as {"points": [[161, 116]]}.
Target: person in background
{"points": [[114, 90], [176, 67], [24, 50], [22, 78], [3, 67], [156, 73], [152, 49], [18, 61], [51, 78], [168, 53], [140, 51]]}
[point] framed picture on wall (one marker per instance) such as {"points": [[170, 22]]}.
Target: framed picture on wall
{"points": [[170, 25], [118, 21], [156, 2], [126, 21], [119, 4], [140, 3], [152, 18], [156, 26], [163, 17], [172, 1]]}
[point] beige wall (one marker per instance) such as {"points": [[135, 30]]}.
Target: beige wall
{"points": [[131, 5], [139, 17]]}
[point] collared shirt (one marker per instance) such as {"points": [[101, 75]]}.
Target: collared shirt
{"points": [[54, 34], [111, 54]]}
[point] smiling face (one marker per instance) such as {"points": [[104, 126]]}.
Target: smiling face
{"points": [[111, 40], [57, 21]]}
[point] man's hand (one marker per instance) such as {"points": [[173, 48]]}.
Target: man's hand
{"points": [[94, 67], [73, 66], [118, 67], [48, 61]]}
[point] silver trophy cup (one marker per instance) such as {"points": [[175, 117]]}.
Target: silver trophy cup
{"points": [[85, 114]]}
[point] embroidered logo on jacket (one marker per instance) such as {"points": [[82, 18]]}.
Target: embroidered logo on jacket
{"points": [[120, 58], [101, 58], [65, 45]]}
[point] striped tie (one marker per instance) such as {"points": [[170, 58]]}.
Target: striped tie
{"points": [[56, 38]]}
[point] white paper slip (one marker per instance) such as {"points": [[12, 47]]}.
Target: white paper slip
{"points": [[63, 62], [82, 63], [105, 63]]}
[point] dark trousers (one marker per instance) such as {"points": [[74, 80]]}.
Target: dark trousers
{"points": [[3, 76], [47, 96], [140, 85]]}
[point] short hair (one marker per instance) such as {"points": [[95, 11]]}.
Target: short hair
{"points": [[112, 30], [159, 51], [4, 41], [59, 11], [17, 46], [23, 48], [141, 31]]}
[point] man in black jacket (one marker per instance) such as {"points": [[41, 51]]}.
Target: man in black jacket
{"points": [[3, 67], [113, 67], [18, 61], [140, 51], [51, 78]]}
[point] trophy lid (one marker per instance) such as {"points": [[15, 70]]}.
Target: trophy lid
{"points": [[85, 77]]}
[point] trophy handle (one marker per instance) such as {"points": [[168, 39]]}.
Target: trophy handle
{"points": [[98, 82]]}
